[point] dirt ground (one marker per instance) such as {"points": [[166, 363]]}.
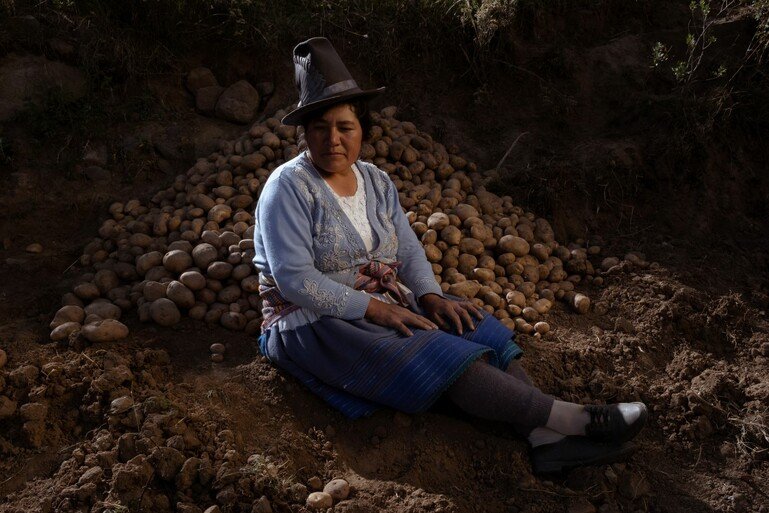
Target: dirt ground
{"points": [[683, 328]]}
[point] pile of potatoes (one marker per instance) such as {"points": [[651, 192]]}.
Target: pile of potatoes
{"points": [[188, 251]]}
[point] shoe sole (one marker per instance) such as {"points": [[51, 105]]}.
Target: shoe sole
{"points": [[553, 467]]}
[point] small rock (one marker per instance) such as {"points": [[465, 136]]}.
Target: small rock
{"points": [[319, 500], [265, 88], [167, 462], [633, 485], [121, 405], [7, 407], [581, 506], [92, 475], [206, 98], [35, 247], [338, 489], [200, 77], [315, 483], [97, 174], [33, 411], [217, 348], [262, 505], [33, 431]]}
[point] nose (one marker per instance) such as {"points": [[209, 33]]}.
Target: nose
{"points": [[333, 136]]}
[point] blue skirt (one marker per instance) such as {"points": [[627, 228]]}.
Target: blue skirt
{"points": [[358, 366]]}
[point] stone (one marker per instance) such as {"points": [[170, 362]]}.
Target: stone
{"points": [[91, 476], [262, 505], [338, 489], [61, 47], [97, 174], [167, 462], [33, 411], [188, 474], [315, 484], [238, 103], [121, 405], [7, 407], [319, 501], [31, 78], [581, 506], [200, 77], [206, 99], [33, 431]]}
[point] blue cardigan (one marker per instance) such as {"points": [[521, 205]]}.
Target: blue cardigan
{"points": [[309, 249]]}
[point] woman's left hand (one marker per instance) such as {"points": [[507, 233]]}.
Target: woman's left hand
{"points": [[446, 312]]}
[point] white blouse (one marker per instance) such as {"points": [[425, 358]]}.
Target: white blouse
{"points": [[355, 208]]}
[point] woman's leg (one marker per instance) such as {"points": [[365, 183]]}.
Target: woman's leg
{"points": [[486, 392], [516, 371]]}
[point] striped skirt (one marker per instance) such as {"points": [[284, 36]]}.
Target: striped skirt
{"points": [[358, 366]]}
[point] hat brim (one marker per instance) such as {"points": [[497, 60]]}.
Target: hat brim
{"points": [[294, 117]]}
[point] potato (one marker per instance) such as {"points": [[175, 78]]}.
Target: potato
{"points": [[177, 261], [512, 244], [204, 254], [64, 330], [69, 313], [466, 289], [180, 294], [164, 312], [107, 330], [103, 309]]}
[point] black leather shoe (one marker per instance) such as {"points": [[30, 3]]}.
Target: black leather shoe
{"points": [[575, 451], [607, 425]]}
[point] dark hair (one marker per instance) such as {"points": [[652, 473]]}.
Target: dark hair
{"points": [[359, 107]]}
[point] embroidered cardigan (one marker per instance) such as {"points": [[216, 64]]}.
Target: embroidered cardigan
{"points": [[306, 246]]}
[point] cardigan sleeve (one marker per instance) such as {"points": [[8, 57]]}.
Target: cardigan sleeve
{"points": [[416, 272], [285, 221]]}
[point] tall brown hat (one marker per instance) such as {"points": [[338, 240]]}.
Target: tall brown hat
{"points": [[322, 79]]}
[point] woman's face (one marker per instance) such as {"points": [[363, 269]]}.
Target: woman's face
{"points": [[334, 139]]}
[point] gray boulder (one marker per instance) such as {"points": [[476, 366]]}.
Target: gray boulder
{"points": [[238, 103]]}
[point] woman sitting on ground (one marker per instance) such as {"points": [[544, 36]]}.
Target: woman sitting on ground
{"points": [[351, 306]]}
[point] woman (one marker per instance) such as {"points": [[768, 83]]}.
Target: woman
{"points": [[351, 306]]}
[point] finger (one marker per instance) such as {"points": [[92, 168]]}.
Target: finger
{"points": [[404, 329], [469, 305], [452, 314], [439, 320], [466, 318], [422, 322]]}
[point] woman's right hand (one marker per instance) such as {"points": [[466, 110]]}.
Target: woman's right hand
{"points": [[397, 317]]}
